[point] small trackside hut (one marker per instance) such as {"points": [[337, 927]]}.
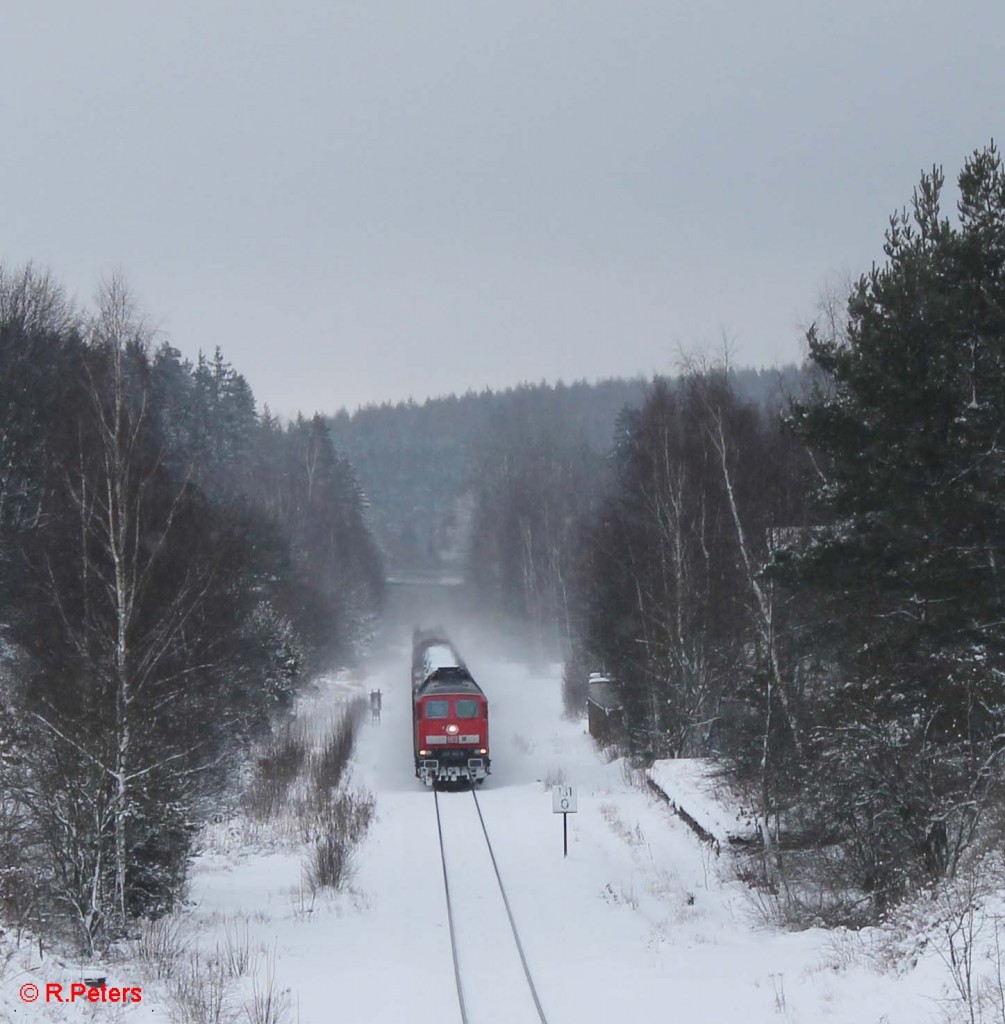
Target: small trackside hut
{"points": [[450, 724], [605, 710]]}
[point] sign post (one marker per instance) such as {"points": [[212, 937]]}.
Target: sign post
{"points": [[563, 801]]}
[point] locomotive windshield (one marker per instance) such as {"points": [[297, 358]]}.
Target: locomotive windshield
{"points": [[437, 708], [467, 708]]}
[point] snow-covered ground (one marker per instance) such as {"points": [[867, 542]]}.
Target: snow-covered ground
{"points": [[642, 921]]}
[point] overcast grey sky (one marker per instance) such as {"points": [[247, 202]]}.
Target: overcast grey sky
{"points": [[363, 201]]}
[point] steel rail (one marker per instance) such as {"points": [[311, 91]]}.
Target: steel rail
{"points": [[450, 914], [509, 913]]}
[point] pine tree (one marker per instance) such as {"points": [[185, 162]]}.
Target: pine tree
{"points": [[905, 568]]}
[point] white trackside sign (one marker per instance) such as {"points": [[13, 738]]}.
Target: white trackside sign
{"points": [[563, 799]]}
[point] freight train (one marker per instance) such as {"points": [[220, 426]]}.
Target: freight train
{"points": [[450, 714]]}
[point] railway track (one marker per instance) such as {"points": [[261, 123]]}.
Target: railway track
{"points": [[494, 983]]}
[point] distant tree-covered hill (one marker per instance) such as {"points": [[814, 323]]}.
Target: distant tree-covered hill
{"points": [[422, 467], [416, 462]]}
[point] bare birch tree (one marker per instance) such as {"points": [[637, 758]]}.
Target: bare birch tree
{"points": [[123, 610]]}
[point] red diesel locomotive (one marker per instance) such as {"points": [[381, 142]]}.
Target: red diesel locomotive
{"points": [[450, 715]]}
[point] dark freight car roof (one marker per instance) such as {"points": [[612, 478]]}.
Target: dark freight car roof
{"points": [[449, 680]]}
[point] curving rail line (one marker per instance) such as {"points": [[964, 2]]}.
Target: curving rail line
{"points": [[496, 983]]}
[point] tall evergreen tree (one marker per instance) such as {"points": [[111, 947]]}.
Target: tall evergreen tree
{"points": [[906, 568]]}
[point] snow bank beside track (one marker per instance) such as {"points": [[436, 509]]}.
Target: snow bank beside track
{"points": [[696, 792]]}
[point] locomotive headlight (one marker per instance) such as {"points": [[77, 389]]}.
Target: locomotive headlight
{"points": [[453, 729], [483, 750], [423, 753]]}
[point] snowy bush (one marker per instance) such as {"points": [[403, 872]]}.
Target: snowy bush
{"points": [[267, 1004], [200, 992], [278, 769], [338, 829], [160, 946], [237, 955], [329, 763]]}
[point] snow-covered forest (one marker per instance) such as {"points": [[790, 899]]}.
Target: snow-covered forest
{"points": [[174, 566], [815, 598], [803, 581], [790, 578]]}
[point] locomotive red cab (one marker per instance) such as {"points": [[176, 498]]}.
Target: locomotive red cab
{"points": [[450, 720]]}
